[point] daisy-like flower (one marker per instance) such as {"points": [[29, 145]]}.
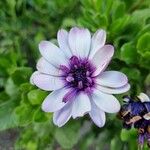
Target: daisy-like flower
{"points": [[74, 71]]}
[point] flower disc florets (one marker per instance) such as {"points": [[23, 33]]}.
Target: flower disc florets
{"points": [[79, 74]]}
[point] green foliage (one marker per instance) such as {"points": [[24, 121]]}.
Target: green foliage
{"points": [[129, 53], [36, 96], [68, 135], [130, 137], [24, 23], [143, 44], [127, 135]]}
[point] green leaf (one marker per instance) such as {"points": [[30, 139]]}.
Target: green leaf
{"points": [[4, 63], [39, 116], [68, 135], [21, 75], [116, 144], [129, 53], [26, 139], [143, 44], [127, 135], [24, 114], [134, 25], [31, 145], [144, 30], [68, 22], [44, 129], [7, 117], [141, 15], [118, 25], [25, 87], [11, 89], [3, 97], [118, 9], [103, 22], [132, 73], [147, 81], [87, 141], [11, 7], [36, 96], [145, 61]]}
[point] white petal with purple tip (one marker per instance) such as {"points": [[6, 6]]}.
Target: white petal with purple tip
{"points": [[98, 41], [97, 115], [52, 53], [109, 90], [102, 58], [62, 37], [54, 101], [80, 41], [61, 116], [113, 79], [47, 82], [81, 105], [106, 102]]}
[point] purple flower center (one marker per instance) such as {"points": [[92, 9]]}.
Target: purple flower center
{"points": [[79, 74]]}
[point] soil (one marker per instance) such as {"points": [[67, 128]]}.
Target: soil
{"points": [[7, 139]]}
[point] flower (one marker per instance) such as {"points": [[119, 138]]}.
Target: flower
{"points": [[74, 71], [136, 113]]}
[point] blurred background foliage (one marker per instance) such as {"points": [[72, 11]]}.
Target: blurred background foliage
{"points": [[24, 23]]}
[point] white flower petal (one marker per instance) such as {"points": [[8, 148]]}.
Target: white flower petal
{"points": [[54, 101], [44, 66], [109, 90], [32, 76], [113, 79], [102, 58], [52, 53], [62, 116], [97, 115], [81, 105], [62, 37], [47, 82], [98, 41], [106, 102], [80, 42]]}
